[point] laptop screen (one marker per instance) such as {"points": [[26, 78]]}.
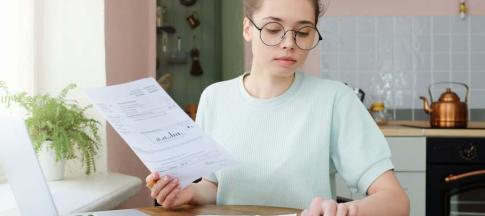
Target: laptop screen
{"points": [[22, 169]]}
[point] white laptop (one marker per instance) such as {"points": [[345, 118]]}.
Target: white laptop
{"points": [[25, 176]]}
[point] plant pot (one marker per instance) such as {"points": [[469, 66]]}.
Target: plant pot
{"points": [[53, 170]]}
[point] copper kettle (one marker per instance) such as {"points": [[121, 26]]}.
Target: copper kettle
{"points": [[448, 111]]}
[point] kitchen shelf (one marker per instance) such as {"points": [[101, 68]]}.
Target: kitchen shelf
{"points": [[167, 28]]}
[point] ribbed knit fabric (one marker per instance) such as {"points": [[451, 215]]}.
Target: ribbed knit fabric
{"points": [[290, 146]]}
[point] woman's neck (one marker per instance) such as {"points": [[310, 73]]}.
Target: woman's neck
{"points": [[264, 85]]}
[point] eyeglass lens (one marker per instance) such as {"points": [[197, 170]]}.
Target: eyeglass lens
{"points": [[273, 33]]}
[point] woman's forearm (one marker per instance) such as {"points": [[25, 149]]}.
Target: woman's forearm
{"points": [[203, 193], [384, 202]]}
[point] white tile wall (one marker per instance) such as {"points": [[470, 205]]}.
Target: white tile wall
{"points": [[395, 59]]}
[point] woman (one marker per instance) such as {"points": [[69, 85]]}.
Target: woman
{"points": [[291, 132]]}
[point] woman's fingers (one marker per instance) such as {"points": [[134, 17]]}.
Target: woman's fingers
{"points": [[166, 190], [184, 196], [342, 210], [152, 178], [169, 200], [329, 207], [321, 206], [353, 210], [347, 209], [315, 208], [160, 185], [156, 175]]}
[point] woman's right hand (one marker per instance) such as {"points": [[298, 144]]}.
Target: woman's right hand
{"points": [[167, 191]]}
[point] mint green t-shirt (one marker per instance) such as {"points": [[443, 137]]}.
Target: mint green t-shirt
{"points": [[290, 147]]}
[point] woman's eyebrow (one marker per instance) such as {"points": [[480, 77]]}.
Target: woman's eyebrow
{"points": [[273, 18], [301, 22]]}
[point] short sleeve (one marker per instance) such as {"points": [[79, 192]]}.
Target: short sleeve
{"points": [[200, 120], [201, 111], [359, 150]]}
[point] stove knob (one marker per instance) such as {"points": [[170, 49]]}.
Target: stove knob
{"points": [[469, 153]]}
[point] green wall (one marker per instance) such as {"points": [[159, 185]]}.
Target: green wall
{"points": [[219, 40], [232, 39]]}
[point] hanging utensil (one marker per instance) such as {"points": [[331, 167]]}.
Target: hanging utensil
{"points": [[196, 68], [193, 20], [179, 56]]}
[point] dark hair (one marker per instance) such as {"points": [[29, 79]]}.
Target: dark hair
{"points": [[250, 6]]}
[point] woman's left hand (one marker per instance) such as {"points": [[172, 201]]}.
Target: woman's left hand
{"points": [[328, 207]]}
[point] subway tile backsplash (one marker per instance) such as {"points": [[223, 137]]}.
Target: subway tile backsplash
{"points": [[395, 59]]}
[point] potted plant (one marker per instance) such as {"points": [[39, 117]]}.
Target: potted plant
{"points": [[59, 127]]}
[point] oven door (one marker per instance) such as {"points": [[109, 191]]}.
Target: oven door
{"points": [[458, 190], [467, 196]]}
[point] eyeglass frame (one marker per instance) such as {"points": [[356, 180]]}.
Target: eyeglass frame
{"points": [[320, 38]]}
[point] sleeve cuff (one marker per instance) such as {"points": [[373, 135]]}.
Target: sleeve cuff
{"points": [[373, 172]]}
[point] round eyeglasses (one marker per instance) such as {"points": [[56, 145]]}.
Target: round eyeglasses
{"points": [[273, 33]]}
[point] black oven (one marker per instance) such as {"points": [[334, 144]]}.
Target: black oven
{"points": [[455, 177]]}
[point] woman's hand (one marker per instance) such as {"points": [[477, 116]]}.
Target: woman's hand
{"points": [[328, 207], [166, 190]]}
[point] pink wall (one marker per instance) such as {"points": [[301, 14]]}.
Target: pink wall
{"points": [[130, 54], [401, 8], [382, 8]]}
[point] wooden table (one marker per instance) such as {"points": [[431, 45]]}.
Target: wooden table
{"points": [[220, 210]]}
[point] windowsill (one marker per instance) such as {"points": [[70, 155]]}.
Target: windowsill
{"points": [[101, 191]]}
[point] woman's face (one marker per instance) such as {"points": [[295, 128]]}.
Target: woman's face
{"points": [[284, 58]]}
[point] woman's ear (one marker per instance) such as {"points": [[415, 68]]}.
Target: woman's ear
{"points": [[247, 33]]}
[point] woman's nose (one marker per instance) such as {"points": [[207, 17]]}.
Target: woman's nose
{"points": [[288, 40]]}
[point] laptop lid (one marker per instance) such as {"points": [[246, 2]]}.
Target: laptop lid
{"points": [[25, 176], [22, 169]]}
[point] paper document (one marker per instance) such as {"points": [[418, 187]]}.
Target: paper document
{"points": [[254, 215], [122, 212], [161, 134]]}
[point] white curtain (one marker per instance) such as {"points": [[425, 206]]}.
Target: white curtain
{"points": [[47, 44], [17, 48], [17, 52]]}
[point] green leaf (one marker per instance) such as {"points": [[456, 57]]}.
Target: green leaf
{"points": [[61, 121]]}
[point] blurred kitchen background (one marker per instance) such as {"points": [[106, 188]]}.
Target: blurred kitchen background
{"points": [[390, 50], [396, 58]]}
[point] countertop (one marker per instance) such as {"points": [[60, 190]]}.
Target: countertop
{"points": [[421, 128]]}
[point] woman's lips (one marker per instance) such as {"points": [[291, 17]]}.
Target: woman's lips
{"points": [[285, 61]]}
